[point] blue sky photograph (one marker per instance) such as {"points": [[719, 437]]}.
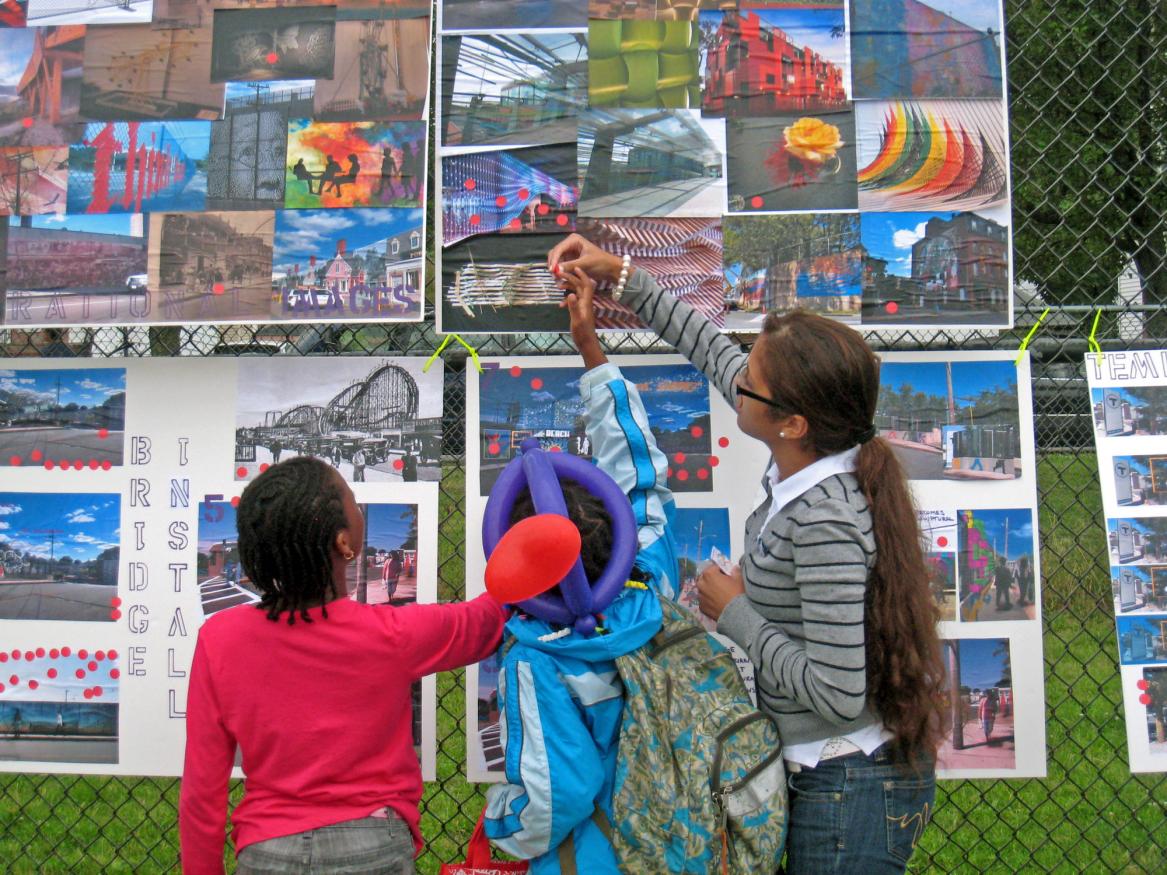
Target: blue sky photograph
{"points": [[65, 686], [387, 525], [85, 388], [216, 524], [699, 529], [59, 524], [123, 224], [1018, 520], [969, 379], [301, 234], [674, 395], [804, 27], [981, 665]]}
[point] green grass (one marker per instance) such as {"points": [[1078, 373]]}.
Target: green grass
{"points": [[1089, 815]]}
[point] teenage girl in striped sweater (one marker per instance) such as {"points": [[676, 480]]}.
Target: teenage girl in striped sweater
{"points": [[831, 599]]}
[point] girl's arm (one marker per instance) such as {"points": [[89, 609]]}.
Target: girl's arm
{"points": [[443, 637], [678, 324], [210, 751], [826, 672]]}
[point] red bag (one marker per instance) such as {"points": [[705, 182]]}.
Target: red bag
{"points": [[478, 858]]}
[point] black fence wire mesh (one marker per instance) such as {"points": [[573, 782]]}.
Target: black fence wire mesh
{"points": [[1087, 80]]}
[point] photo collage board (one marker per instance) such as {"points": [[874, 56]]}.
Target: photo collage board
{"points": [[845, 156], [213, 161], [118, 535], [962, 426], [1128, 398]]}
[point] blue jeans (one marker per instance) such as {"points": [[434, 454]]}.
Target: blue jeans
{"points": [[369, 846], [857, 813]]}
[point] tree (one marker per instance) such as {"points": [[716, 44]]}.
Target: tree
{"points": [[1088, 83]]}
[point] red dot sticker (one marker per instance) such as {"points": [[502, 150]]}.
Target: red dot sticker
{"points": [[14, 680], [32, 685], [542, 209], [555, 448], [536, 384], [516, 224], [49, 464], [892, 307], [115, 614], [103, 433], [696, 431], [524, 193], [493, 449], [271, 57], [235, 501], [80, 673], [94, 464], [97, 691], [52, 673], [114, 602], [682, 475], [669, 472], [500, 201], [29, 656], [942, 541], [702, 473], [16, 654], [2, 688], [218, 289], [561, 220], [1145, 699], [27, 121], [398, 464], [65, 651], [14, 460], [723, 442], [40, 652], [240, 471], [88, 694], [263, 467], [78, 464], [63, 464], [114, 673], [36, 455], [470, 184], [113, 654], [516, 371], [99, 656], [83, 654], [756, 202], [1142, 684], [475, 219], [714, 461], [679, 458], [54, 653], [106, 465]]}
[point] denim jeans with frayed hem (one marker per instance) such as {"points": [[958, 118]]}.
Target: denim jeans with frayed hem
{"points": [[857, 813], [368, 846]]}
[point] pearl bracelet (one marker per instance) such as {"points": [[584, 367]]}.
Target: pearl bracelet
{"points": [[625, 268]]}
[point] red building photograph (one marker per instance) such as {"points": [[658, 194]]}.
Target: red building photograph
{"points": [[768, 61]]}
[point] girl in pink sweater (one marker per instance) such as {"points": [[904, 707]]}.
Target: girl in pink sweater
{"points": [[299, 684]]}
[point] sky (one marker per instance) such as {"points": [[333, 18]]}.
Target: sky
{"points": [[116, 223], [54, 689], [281, 385], [247, 89], [1137, 463], [15, 50], [669, 411], [890, 236], [85, 523], [979, 667], [804, 27], [193, 137], [1020, 521], [977, 14], [303, 233], [386, 525], [969, 379], [212, 530], [485, 69], [87, 387], [714, 523]]}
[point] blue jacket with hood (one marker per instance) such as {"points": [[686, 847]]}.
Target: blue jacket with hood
{"points": [[561, 700]]}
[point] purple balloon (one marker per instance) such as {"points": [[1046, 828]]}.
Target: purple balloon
{"points": [[540, 472]]}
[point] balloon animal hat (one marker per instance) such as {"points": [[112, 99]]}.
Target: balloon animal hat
{"points": [[526, 560]]}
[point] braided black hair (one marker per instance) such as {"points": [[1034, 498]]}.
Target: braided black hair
{"points": [[589, 516], [287, 520]]}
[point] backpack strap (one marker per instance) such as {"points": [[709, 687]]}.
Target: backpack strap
{"points": [[566, 850]]}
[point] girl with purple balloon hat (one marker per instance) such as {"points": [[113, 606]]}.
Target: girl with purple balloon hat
{"points": [[585, 588]]}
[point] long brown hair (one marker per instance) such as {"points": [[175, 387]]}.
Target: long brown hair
{"points": [[825, 372]]}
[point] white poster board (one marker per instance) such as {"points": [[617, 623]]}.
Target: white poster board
{"points": [[117, 531]]}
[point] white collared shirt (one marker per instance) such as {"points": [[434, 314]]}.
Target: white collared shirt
{"points": [[782, 492]]}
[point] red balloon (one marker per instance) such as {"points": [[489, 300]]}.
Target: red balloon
{"points": [[533, 556]]}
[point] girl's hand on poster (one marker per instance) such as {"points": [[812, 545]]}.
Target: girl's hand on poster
{"points": [[715, 590], [574, 251], [580, 292]]}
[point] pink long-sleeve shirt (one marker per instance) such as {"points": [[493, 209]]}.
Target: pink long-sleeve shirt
{"points": [[321, 712]]}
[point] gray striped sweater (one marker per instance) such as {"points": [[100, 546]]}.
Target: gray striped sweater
{"points": [[801, 618]]}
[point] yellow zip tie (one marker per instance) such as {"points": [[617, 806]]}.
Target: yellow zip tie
{"points": [[1029, 336], [1092, 342], [635, 584], [445, 342]]}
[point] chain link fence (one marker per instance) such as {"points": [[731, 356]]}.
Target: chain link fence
{"points": [[1088, 115]]}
